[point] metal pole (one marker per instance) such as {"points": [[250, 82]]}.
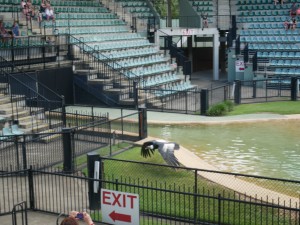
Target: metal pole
{"points": [[68, 150]]}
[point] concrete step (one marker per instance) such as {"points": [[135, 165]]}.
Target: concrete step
{"points": [[7, 113], [25, 119], [100, 81], [130, 101], [34, 128], [156, 103], [117, 90], [49, 136], [3, 86], [5, 100], [84, 72]]}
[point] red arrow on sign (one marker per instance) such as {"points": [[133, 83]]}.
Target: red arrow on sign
{"points": [[121, 217]]}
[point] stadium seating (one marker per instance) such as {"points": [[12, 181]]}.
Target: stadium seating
{"points": [[262, 29]]}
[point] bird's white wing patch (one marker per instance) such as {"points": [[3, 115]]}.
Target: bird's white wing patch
{"points": [[167, 152]]}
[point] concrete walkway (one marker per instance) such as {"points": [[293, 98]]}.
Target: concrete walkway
{"points": [[175, 118]]}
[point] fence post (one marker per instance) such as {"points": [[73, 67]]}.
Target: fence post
{"points": [[195, 196], [294, 88], [24, 153], [16, 143], [204, 101], [143, 126], [68, 152], [254, 89], [31, 188], [237, 92], [94, 164], [64, 119], [219, 209], [135, 94]]}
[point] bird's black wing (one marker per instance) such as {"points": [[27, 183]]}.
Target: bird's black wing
{"points": [[167, 152], [145, 151]]}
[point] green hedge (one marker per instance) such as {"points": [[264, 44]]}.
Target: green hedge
{"points": [[220, 109]]}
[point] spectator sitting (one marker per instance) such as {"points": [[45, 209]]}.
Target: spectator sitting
{"points": [[4, 34], [28, 11], [15, 29], [72, 220], [43, 6], [49, 13], [275, 2], [293, 11]]}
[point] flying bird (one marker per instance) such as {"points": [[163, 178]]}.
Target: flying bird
{"points": [[166, 149]]}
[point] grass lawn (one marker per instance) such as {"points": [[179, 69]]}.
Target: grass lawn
{"points": [[169, 192], [284, 108]]}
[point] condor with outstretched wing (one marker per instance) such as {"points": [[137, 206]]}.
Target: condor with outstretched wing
{"points": [[165, 148]]}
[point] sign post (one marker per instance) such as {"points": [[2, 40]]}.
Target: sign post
{"points": [[120, 208]]}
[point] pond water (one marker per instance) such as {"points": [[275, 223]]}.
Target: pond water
{"points": [[263, 148]]}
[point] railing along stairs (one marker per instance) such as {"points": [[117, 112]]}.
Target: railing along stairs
{"points": [[101, 74], [30, 102]]}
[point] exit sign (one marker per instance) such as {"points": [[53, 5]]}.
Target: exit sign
{"points": [[119, 208]]}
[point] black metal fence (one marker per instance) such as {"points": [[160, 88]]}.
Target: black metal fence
{"points": [[84, 133], [185, 196], [172, 100], [36, 51], [255, 91]]}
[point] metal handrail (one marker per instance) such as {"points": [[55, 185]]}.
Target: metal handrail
{"points": [[41, 85]]}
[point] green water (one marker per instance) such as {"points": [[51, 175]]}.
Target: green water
{"points": [[263, 148]]}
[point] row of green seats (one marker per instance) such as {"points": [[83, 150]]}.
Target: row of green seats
{"points": [[74, 3], [265, 13], [285, 63], [144, 15], [9, 2], [272, 47], [87, 16], [270, 39], [278, 54], [58, 2], [266, 26], [9, 9], [204, 9], [19, 43], [264, 7], [271, 32], [202, 3], [287, 72], [139, 10], [134, 4], [255, 2], [82, 23], [265, 19], [87, 30], [81, 10], [104, 38]]}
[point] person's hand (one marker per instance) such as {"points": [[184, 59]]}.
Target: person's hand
{"points": [[87, 218], [73, 214]]}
